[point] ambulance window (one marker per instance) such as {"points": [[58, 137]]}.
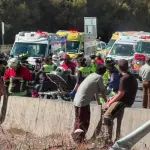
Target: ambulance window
{"points": [[32, 49], [144, 47], [122, 50], [103, 45], [138, 46], [110, 43]]}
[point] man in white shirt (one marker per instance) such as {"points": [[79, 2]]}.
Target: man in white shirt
{"points": [[91, 86], [144, 73]]}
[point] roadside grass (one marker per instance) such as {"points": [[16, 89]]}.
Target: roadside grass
{"points": [[17, 139]]}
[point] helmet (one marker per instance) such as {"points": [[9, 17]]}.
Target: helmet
{"points": [[55, 57], [109, 61], [61, 53], [66, 56], [13, 62], [22, 57], [62, 71]]}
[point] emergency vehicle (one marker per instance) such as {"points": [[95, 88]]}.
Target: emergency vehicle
{"points": [[123, 48], [63, 36], [35, 44], [117, 35], [142, 51], [78, 42], [113, 39]]}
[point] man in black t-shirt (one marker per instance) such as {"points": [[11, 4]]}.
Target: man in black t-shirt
{"points": [[124, 98]]}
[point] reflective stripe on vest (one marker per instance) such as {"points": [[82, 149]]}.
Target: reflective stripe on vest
{"points": [[48, 68], [85, 71]]}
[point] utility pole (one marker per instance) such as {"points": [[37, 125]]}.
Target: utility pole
{"points": [[3, 32]]}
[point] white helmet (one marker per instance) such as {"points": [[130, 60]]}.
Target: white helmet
{"points": [[13, 62], [61, 70], [61, 53], [55, 57]]}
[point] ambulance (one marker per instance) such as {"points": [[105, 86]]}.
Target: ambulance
{"points": [[117, 35], [124, 48], [35, 44], [113, 39], [63, 36], [79, 42], [142, 51]]}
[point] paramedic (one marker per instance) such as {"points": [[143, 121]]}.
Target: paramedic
{"points": [[82, 73], [68, 64], [114, 75]]}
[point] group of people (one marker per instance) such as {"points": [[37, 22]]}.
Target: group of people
{"points": [[125, 87], [92, 80], [17, 72]]}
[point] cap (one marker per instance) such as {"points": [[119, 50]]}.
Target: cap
{"points": [[123, 64]]}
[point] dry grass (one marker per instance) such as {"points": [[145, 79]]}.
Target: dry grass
{"points": [[17, 139]]}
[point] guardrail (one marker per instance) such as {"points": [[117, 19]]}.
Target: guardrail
{"points": [[130, 140], [5, 48]]}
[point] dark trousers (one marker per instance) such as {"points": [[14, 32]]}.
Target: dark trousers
{"points": [[146, 94], [82, 121]]}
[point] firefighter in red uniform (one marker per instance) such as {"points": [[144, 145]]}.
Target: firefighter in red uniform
{"points": [[68, 64], [16, 78], [99, 59], [17, 70]]}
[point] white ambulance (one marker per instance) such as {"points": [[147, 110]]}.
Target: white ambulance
{"points": [[123, 48], [35, 45]]}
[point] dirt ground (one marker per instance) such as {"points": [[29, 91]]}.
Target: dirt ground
{"points": [[16, 139]]}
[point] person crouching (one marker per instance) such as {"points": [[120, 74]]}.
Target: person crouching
{"points": [[90, 87]]}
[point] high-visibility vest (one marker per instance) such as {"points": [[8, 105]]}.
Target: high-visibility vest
{"points": [[85, 71], [93, 67], [106, 77], [47, 68]]}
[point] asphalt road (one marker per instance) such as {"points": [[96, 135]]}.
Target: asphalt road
{"points": [[138, 100]]}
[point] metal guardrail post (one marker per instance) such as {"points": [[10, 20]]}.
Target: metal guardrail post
{"points": [[130, 140]]}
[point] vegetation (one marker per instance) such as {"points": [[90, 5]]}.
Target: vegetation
{"points": [[52, 15]]}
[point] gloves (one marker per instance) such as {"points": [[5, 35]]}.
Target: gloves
{"points": [[72, 93]]}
